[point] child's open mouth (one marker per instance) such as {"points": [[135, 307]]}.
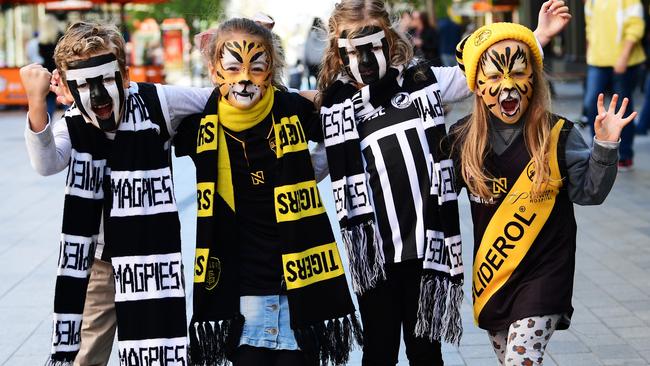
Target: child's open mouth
{"points": [[103, 111], [509, 103]]}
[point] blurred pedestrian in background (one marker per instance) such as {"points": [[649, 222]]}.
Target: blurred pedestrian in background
{"points": [[314, 49], [425, 39], [614, 30], [31, 48], [644, 117], [450, 32]]}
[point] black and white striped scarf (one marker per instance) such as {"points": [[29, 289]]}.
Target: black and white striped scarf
{"points": [[129, 179], [343, 107]]}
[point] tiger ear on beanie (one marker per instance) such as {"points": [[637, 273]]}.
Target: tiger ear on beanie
{"points": [[459, 53]]}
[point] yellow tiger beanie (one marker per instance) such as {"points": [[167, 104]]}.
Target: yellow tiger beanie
{"points": [[470, 49]]}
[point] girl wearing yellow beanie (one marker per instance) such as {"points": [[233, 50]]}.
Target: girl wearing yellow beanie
{"points": [[383, 122], [523, 168]]}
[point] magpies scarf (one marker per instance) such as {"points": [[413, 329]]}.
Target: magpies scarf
{"points": [[320, 306], [441, 286], [141, 231]]}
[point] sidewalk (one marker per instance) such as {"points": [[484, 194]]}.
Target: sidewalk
{"points": [[611, 324]]}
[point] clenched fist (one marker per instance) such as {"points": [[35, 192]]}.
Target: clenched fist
{"points": [[36, 81]]}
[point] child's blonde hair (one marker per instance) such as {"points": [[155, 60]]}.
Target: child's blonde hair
{"points": [[472, 142], [83, 39], [360, 12], [247, 26]]}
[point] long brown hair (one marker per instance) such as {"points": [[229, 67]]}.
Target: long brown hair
{"points": [[472, 143], [246, 26], [359, 12]]}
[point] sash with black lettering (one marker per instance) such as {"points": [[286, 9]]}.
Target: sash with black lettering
{"points": [[82, 212], [513, 229], [320, 306], [441, 285], [143, 233]]}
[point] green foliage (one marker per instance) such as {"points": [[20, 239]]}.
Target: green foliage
{"points": [[440, 6], [197, 13]]}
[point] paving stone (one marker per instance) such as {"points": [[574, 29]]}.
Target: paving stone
{"points": [[573, 359]]}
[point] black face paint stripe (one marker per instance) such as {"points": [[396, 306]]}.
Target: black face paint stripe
{"points": [[236, 45], [92, 61], [495, 91], [250, 46], [235, 55], [256, 56], [495, 61]]}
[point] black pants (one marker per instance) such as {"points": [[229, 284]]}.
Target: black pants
{"points": [[388, 308], [255, 356]]}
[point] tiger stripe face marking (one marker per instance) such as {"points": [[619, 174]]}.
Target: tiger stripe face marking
{"points": [[243, 73], [505, 80]]}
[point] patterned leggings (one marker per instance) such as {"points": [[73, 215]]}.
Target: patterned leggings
{"points": [[524, 342]]}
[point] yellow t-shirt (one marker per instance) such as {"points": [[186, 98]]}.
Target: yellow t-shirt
{"points": [[608, 24]]}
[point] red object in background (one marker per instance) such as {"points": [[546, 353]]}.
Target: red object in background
{"points": [[11, 88], [173, 47], [147, 74]]}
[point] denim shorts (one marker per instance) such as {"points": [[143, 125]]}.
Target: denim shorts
{"points": [[266, 322]]}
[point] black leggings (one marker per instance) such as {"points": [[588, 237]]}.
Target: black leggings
{"points": [[389, 308], [256, 356]]}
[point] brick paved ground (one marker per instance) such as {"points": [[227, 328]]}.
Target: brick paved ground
{"points": [[611, 325]]}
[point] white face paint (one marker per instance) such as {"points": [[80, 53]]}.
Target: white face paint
{"points": [[97, 88], [365, 56]]}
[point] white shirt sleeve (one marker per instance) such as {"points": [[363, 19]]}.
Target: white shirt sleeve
{"points": [[178, 102], [452, 83], [49, 150]]}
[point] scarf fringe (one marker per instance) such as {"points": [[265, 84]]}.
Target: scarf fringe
{"points": [[365, 256], [331, 341], [51, 362], [439, 309], [211, 342]]}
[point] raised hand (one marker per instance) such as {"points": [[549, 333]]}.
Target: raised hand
{"points": [[36, 81], [609, 124], [552, 19]]}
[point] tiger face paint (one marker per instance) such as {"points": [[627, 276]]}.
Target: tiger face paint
{"points": [[97, 87], [365, 56], [505, 79], [243, 71]]}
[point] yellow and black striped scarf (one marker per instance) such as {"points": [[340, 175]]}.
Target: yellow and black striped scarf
{"points": [[322, 313]]}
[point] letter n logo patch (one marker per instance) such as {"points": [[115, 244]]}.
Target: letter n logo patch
{"points": [[257, 177], [500, 185]]}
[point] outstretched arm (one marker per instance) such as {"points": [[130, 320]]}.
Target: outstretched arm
{"points": [[552, 19], [592, 172]]}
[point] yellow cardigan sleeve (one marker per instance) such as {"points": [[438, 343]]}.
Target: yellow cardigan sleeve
{"points": [[633, 23]]}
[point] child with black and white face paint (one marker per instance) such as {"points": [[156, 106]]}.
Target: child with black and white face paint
{"points": [[118, 133], [97, 86], [393, 183]]}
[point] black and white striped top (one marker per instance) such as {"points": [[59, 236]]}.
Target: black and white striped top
{"points": [[399, 167]]}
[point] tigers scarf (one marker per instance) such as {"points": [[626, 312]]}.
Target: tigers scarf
{"points": [[441, 285], [141, 231], [320, 306]]}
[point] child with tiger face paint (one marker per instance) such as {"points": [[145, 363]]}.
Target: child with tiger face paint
{"points": [[383, 120], [269, 286], [243, 71], [524, 168], [505, 80]]}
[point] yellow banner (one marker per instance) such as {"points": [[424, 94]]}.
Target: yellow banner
{"points": [[289, 136], [313, 265], [204, 199], [513, 229], [200, 264], [207, 137], [295, 201]]}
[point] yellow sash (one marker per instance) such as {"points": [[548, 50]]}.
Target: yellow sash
{"points": [[514, 228]]}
